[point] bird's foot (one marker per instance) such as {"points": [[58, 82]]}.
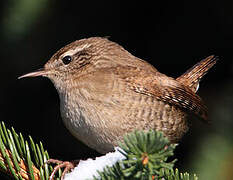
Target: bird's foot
{"points": [[67, 165]]}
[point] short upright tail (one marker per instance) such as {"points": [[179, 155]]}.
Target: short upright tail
{"points": [[192, 76]]}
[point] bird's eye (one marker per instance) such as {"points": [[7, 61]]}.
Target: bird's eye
{"points": [[66, 60]]}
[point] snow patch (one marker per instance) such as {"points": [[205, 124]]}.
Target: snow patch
{"points": [[88, 168]]}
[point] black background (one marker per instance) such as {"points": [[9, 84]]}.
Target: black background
{"points": [[172, 36]]}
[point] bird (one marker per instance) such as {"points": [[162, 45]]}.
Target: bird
{"points": [[106, 92]]}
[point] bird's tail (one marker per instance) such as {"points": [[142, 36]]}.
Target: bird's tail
{"points": [[192, 76]]}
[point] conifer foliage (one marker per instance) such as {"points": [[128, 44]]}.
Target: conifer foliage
{"points": [[22, 159], [146, 158]]}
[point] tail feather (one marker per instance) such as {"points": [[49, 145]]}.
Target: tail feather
{"points": [[192, 76]]}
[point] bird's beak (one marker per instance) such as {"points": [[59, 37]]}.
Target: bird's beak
{"points": [[39, 72]]}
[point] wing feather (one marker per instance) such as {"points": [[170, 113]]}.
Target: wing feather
{"points": [[163, 88]]}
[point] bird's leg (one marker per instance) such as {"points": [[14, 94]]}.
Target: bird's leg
{"points": [[68, 165]]}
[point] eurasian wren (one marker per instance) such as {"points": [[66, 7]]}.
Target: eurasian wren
{"points": [[106, 92]]}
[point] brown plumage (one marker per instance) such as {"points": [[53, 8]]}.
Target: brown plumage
{"points": [[192, 76], [106, 92]]}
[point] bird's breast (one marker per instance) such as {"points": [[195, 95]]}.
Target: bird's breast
{"points": [[84, 121]]}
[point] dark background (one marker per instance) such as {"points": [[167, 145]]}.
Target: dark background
{"points": [[172, 36]]}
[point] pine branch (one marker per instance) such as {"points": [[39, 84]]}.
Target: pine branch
{"points": [[22, 160], [146, 158]]}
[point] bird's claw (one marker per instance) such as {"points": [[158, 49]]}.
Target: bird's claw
{"points": [[67, 165]]}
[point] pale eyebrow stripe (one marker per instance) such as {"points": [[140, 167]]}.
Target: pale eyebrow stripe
{"points": [[76, 50]]}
